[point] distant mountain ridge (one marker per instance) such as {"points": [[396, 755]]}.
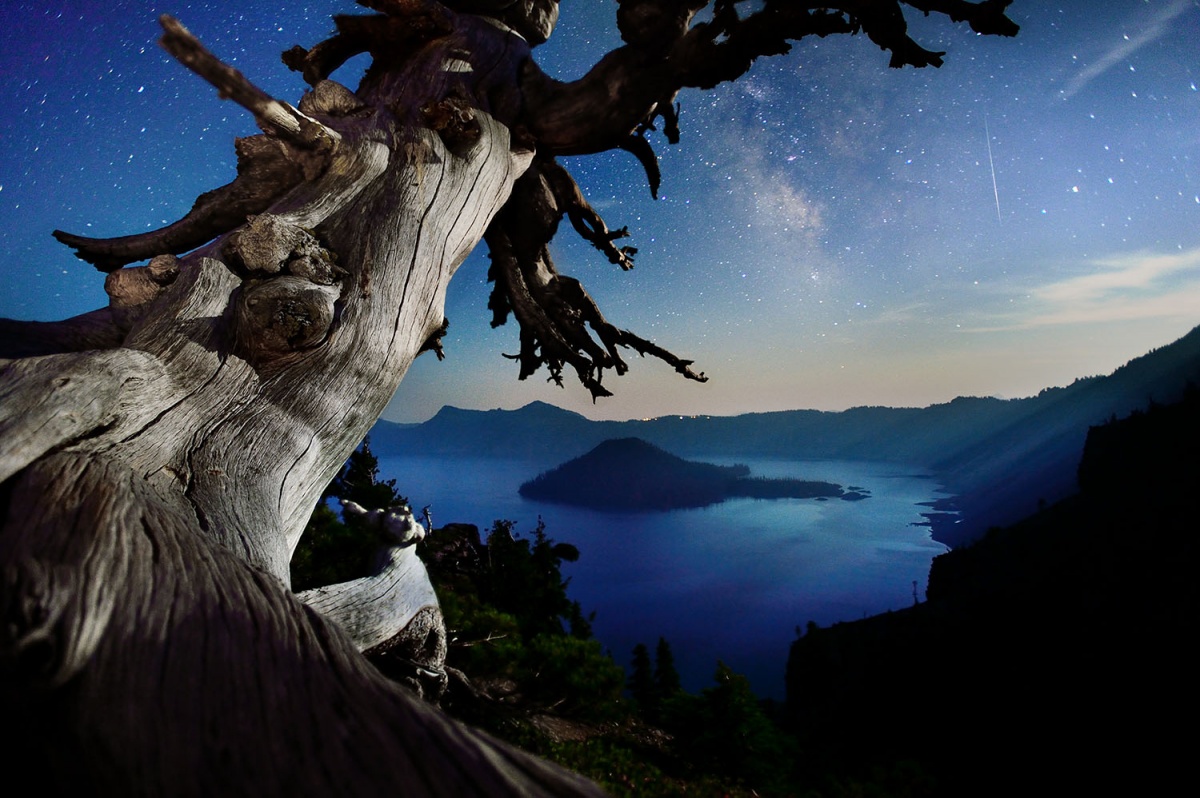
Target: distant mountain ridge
{"points": [[1002, 458]]}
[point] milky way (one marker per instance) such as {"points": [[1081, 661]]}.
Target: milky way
{"points": [[829, 232]]}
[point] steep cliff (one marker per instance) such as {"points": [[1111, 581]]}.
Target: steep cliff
{"points": [[1054, 653]]}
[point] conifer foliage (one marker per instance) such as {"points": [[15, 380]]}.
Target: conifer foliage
{"points": [[335, 548]]}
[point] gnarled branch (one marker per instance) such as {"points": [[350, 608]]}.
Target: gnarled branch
{"points": [[96, 329], [665, 52], [613, 106], [554, 311], [295, 148], [568, 199], [378, 611]]}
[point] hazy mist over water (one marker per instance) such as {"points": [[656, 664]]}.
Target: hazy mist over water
{"points": [[731, 581]]}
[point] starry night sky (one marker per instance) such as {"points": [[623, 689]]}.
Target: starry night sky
{"points": [[830, 232]]}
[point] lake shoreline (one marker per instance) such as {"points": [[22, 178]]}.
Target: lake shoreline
{"points": [[745, 488], [944, 519]]}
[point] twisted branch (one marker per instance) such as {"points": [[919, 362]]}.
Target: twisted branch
{"points": [[557, 316], [633, 85], [569, 199], [295, 148], [389, 36], [613, 107]]}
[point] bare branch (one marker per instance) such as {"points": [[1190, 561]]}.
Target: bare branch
{"points": [[664, 52], [569, 200], [641, 149], [273, 116], [985, 18], [400, 27], [377, 608], [267, 169], [557, 316], [96, 329]]}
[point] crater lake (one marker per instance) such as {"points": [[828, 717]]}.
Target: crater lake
{"points": [[731, 581]]}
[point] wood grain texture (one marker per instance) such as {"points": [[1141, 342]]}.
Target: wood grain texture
{"points": [[374, 609], [154, 661], [155, 488]]}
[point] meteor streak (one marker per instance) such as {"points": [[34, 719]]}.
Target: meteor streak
{"points": [[992, 166]]}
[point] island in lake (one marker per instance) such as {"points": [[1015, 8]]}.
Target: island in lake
{"points": [[630, 474]]}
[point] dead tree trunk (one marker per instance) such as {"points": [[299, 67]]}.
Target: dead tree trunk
{"points": [[159, 458], [155, 489]]}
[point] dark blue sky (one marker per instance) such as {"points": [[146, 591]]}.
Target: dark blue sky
{"points": [[829, 232]]}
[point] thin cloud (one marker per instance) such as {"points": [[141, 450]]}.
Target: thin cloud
{"points": [[1119, 275], [1166, 306], [1126, 288], [1155, 29], [887, 315]]}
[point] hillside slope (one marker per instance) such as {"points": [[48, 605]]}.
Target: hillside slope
{"points": [[1054, 653]]}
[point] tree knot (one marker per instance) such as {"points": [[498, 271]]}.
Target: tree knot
{"points": [[453, 119], [132, 291], [267, 246], [288, 301]]}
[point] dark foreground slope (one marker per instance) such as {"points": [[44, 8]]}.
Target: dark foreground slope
{"points": [[1052, 657]]}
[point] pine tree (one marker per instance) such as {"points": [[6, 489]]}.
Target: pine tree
{"points": [[359, 481], [523, 578], [335, 549], [666, 678], [641, 682]]}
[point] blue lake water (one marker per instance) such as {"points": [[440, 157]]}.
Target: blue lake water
{"points": [[729, 582]]}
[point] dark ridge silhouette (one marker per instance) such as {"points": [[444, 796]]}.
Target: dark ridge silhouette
{"points": [[1053, 657], [537, 431], [631, 474], [1001, 459]]}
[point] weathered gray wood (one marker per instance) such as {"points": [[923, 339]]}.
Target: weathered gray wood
{"points": [[154, 661], [55, 400], [376, 608], [157, 489], [159, 458]]}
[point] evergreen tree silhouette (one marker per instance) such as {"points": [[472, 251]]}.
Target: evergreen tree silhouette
{"points": [[666, 678], [641, 682]]}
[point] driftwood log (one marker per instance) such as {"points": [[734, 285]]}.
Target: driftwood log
{"points": [[159, 457]]}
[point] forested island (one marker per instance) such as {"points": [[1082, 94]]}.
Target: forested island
{"points": [[631, 474]]}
